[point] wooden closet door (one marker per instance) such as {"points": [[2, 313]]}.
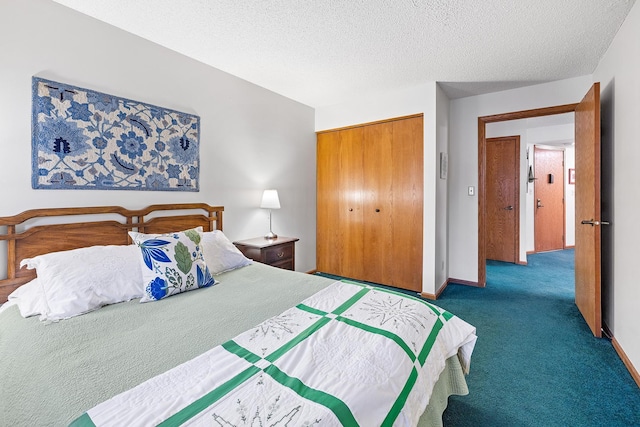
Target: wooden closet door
{"points": [[378, 203], [350, 205], [328, 180], [339, 246], [408, 199], [370, 202]]}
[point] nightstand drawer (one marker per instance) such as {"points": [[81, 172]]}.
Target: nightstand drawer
{"points": [[278, 253], [287, 265]]}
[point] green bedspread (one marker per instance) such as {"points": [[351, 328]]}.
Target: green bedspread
{"points": [[52, 373]]}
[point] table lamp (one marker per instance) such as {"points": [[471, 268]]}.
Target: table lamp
{"points": [[270, 201]]}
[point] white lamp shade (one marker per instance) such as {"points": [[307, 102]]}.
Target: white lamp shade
{"points": [[270, 200]]}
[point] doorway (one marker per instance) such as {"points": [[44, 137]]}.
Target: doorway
{"points": [[482, 173], [535, 134], [588, 202]]}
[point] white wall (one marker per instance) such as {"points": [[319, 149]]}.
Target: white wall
{"points": [[415, 100], [619, 77], [463, 158], [251, 138], [557, 137]]}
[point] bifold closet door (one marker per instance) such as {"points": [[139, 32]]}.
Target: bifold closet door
{"points": [[408, 199], [327, 231], [369, 202], [392, 206], [339, 203], [378, 203]]}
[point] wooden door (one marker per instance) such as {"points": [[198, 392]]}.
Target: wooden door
{"points": [[502, 199], [350, 213], [588, 220], [327, 224], [549, 199], [378, 203], [393, 203], [408, 203], [339, 236]]}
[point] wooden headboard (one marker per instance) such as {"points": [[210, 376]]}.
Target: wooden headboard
{"points": [[39, 231]]}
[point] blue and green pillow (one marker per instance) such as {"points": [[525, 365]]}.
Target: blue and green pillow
{"points": [[172, 263]]}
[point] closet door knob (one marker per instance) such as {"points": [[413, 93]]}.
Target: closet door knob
{"points": [[350, 209], [377, 210]]}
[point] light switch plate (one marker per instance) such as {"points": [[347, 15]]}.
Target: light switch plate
{"points": [[471, 191]]}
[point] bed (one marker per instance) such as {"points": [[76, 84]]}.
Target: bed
{"points": [[92, 368]]}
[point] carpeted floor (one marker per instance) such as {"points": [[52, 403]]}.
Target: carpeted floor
{"points": [[536, 362]]}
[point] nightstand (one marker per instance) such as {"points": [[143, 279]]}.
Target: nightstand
{"points": [[279, 252]]}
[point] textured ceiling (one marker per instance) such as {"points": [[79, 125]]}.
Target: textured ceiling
{"points": [[324, 52]]}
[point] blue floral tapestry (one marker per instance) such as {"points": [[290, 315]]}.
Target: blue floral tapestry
{"points": [[83, 139]]}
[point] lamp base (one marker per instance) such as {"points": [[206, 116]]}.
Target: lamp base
{"points": [[271, 236]]}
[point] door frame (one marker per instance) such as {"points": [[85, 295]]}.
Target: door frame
{"points": [[482, 151]]}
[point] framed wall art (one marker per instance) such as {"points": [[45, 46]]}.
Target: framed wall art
{"points": [[84, 139]]}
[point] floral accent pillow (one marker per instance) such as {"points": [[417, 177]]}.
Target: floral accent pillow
{"points": [[172, 263]]}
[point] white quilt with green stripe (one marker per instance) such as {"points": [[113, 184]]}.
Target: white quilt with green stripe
{"points": [[350, 355]]}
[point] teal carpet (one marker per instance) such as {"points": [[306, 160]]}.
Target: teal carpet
{"points": [[536, 362]]}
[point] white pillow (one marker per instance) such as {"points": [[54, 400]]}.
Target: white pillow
{"points": [[81, 280], [171, 263], [29, 298], [220, 254]]}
